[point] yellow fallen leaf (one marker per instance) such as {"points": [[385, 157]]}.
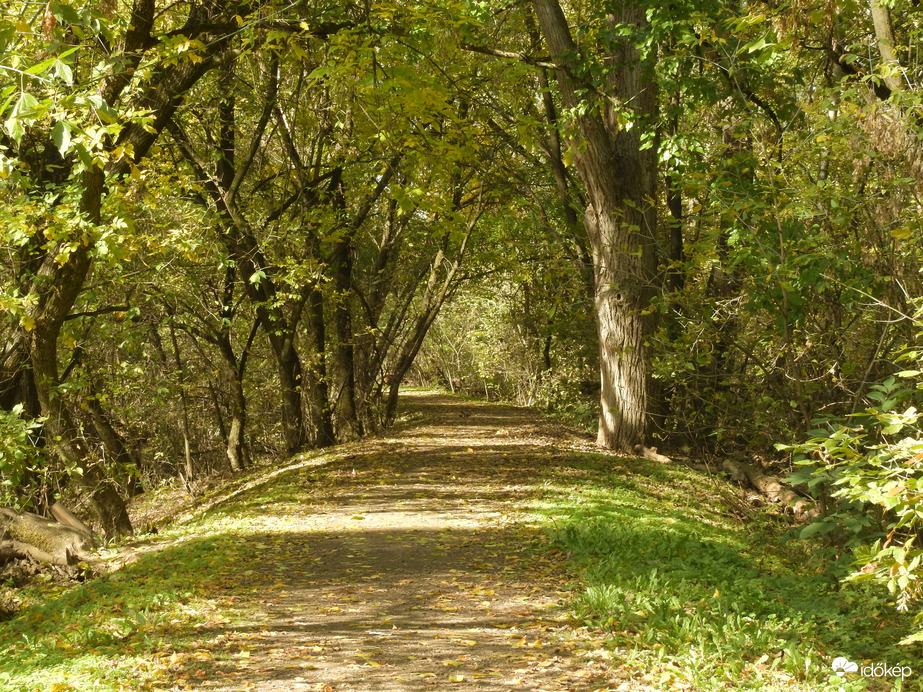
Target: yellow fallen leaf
{"points": [[456, 678]]}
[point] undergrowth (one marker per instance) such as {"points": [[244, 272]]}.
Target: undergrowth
{"points": [[690, 595]]}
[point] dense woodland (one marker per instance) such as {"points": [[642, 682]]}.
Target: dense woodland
{"points": [[231, 231]]}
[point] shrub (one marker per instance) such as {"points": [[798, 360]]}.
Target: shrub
{"points": [[867, 471]]}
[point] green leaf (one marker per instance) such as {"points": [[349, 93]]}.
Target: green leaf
{"points": [[815, 529], [105, 112], [26, 106], [64, 72], [61, 136], [85, 158], [14, 129]]}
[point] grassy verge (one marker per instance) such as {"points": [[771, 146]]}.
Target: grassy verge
{"points": [[159, 622], [689, 595]]}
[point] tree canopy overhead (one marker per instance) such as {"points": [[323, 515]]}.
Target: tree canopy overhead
{"points": [[237, 229]]}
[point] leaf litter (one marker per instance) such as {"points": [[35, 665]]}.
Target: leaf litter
{"points": [[405, 562]]}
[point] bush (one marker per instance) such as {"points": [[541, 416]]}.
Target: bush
{"points": [[867, 471], [20, 457]]}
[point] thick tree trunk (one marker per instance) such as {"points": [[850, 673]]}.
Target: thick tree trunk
{"points": [[620, 218], [622, 327], [288, 366], [347, 419]]}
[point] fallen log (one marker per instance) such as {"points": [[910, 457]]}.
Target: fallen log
{"points": [[770, 487], [27, 535]]}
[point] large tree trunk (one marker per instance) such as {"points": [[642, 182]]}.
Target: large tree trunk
{"points": [[620, 218], [347, 419]]}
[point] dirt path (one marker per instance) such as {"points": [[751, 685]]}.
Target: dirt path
{"points": [[409, 570]]}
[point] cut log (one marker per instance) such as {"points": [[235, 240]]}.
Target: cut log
{"points": [[651, 453], [10, 550], [23, 534], [772, 488], [68, 518]]}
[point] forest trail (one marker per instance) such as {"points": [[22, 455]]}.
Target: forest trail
{"points": [[404, 565]]}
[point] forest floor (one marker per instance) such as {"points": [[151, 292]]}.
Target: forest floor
{"points": [[450, 553]]}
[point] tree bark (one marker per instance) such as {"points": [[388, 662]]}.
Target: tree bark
{"points": [[48, 316], [881, 18], [23, 534], [347, 420], [318, 395], [238, 451], [620, 218]]}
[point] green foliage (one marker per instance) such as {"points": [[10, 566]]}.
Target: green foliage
{"points": [[20, 457], [871, 464], [689, 596]]}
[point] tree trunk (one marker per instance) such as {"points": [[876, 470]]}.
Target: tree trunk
{"points": [[433, 299], [347, 419], [184, 405], [881, 18], [115, 446], [237, 450], [252, 266], [348, 427], [620, 218], [318, 394], [48, 315]]}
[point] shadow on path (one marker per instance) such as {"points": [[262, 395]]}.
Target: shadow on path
{"points": [[401, 566]]}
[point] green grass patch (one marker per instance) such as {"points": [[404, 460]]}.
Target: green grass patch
{"points": [[689, 595], [160, 621]]}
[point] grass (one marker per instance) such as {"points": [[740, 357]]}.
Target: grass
{"points": [[146, 625], [686, 592], [690, 596]]}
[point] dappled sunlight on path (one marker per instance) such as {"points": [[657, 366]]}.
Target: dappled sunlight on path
{"points": [[402, 564]]}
